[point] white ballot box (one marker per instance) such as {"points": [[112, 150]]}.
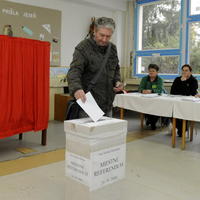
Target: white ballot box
{"points": [[95, 151]]}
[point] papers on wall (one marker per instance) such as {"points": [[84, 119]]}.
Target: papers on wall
{"points": [[58, 76], [91, 108]]}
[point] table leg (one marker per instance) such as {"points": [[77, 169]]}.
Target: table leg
{"points": [[183, 134], [44, 137], [121, 113], [191, 130], [142, 120], [173, 132]]}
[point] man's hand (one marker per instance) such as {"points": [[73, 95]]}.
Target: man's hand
{"points": [[118, 86], [80, 94]]}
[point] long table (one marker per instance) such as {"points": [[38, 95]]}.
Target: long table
{"points": [[174, 106]]}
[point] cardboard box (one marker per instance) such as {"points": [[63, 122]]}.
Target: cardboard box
{"points": [[77, 191], [96, 151]]}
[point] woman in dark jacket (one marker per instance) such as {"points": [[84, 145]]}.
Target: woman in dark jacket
{"points": [[186, 85]]}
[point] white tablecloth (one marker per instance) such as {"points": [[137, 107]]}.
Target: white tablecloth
{"points": [[187, 110], [164, 105], [159, 105]]}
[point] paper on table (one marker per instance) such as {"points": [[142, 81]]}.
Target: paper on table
{"points": [[191, 98], [150, 95], [91, 108]]}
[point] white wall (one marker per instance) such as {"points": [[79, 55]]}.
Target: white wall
{"points": [[108, 4], [76, 16]]}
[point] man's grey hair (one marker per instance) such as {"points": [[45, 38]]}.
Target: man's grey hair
{"points": [[105, 22]]}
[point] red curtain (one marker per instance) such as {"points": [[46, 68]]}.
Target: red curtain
{"points": [[24, 85]]}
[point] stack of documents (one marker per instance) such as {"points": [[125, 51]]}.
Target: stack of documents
{"points": [[191, 98], [150, 95]]}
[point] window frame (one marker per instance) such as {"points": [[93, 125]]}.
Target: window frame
{"points": [[190, 19], [162, 52]]}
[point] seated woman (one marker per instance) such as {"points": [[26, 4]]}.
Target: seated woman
{"points": [[187, 85], [151, 83]]}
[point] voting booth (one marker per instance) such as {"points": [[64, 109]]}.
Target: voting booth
{"points": [[95, 152]]}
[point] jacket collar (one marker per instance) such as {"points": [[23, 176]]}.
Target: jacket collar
{"points": [[101, 49], [148, 78]]}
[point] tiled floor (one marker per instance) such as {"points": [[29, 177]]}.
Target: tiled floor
{"points": [[154, 170]]}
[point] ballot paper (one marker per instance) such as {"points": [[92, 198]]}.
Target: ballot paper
{"points": [[91, 108]]}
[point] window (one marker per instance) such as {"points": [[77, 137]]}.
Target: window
{"points": [[159, 25], [194, 46], [194, 7], [168, 34], [158, 36], [167, 64], [193, 36]]}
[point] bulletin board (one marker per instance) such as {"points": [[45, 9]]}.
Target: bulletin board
{"points": [[35, 23]]}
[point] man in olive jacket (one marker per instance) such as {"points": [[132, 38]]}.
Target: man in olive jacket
{"points": [[87, 60]]}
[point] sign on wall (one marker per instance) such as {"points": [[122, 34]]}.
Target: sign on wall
{"points": [[32, 22]]}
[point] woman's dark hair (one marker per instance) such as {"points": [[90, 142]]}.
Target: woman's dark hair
{"points": [[186, 65], [153, 66]]}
